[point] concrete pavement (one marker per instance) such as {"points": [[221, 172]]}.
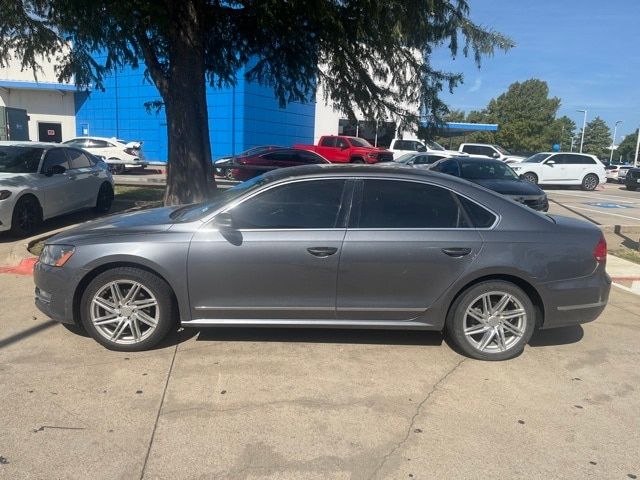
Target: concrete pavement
{"points": [[293, 404]]}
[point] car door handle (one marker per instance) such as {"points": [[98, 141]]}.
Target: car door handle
{"points": [[322, 252], [456, 252]]}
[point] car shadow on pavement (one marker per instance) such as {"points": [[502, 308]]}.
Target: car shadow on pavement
{"points": [[313, 335], [557, 336]]}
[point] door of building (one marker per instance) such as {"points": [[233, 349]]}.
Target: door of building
{"points": [[50, 132]]}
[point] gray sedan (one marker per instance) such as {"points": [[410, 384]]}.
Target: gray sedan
{"points": [[330, 246]]}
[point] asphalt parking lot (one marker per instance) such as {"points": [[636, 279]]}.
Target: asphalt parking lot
{"points": [[293, 404]]}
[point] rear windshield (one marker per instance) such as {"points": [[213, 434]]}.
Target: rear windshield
{"points": [[15, 159]]}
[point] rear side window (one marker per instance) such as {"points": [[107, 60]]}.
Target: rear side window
{"points": [[78, 142], [78, 159], [54, 157], [309, 157], [300, 205], [328, 142], [98, 144], [281, 156], [580, 160], [479, 216], [401, 204]]}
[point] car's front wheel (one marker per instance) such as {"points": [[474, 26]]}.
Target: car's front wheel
{"points": [[105, 198], [631, 187], [116, 168], [530, 177], [492, 320], [27, 216], [590, 182], [128, 309]]}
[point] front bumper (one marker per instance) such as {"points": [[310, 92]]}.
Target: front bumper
{"points": [[575, 301], [536, 202], [6, 211], [54, 291]]}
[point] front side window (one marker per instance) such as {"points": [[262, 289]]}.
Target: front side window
{"points": [[55, 157], [537, 158], [489, 170], [402, 145], [19, 159], [449, 167], [402, 204], [299, 205], [341, 143]]}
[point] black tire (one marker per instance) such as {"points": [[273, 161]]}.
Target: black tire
{"points": [[116, 168], [166, 313], [357, 160], [105, 198], [455, 325], [632, 188], [530, 177], [228, 174], [27, 217], [590, 182]]}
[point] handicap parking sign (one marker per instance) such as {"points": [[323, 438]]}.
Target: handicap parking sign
{"points": [[607, 205]]}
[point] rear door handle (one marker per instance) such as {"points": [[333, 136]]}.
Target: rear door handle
{"points": [[322, 252], [456, 252]]}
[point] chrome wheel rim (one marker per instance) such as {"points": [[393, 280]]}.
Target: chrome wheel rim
{"points": [[124, 312], [529, 178], [495, 322], [590, 183]]}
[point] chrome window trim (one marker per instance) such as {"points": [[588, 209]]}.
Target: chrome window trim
{"points": [[225, 208]]}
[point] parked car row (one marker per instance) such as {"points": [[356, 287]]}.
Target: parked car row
{"points": [[117, 154]]}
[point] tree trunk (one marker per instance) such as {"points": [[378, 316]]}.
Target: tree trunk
{"points": [[189, 170]]}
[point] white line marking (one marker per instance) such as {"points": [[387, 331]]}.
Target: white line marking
{"points": [[626, 289], [605, 197], [604, 213]]}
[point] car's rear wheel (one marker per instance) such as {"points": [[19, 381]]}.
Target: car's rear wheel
{"points": [[27, 217], [492, 320], [357, 160], [530, 177], [590, 182], [105, 198], [128, 309], [116, 168], [631, 187]]}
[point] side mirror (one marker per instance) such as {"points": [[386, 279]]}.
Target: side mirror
{"points": [[422, 148], [495, 155], [224, 220], [344, 147], [55, 170], [551, 163]]}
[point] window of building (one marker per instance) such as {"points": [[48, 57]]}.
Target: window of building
{"points": [[304, 205]]}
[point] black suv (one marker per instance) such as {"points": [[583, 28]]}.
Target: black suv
{"points": [[632, 181]]}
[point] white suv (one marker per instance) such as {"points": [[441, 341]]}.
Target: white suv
{"points": [[118, 154], [491, 151], [549, 168]]}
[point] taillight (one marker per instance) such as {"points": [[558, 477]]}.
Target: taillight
{"points": [[600, 252]]}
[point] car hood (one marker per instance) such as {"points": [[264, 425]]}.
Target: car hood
{"points": [[510, 187], [146, 221], [17, 180]]}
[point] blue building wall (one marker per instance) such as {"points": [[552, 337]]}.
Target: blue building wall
{"points": [[240, 117]]}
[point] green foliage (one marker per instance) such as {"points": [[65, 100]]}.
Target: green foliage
{"points": [[597, 139], [627, 149], [560, 132]]}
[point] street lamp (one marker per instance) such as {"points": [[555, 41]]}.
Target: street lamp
{"points": [[613, 140], [584, 124]]}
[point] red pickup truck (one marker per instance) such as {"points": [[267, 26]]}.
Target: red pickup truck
{"points": [[342, 149]]}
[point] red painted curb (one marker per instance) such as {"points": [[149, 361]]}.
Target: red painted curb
{"points": [[25, 267]]}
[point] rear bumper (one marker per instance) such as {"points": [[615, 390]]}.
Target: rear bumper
{"points": [[576, 301]]}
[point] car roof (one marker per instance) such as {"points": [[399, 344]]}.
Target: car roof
{"points": [[91, 137], [26, 143]]}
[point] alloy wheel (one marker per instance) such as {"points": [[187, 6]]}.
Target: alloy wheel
{"points": [[495, 322], [124, 312], [590, 182]]}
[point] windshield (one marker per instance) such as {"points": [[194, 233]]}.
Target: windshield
{"points": [[435, 146], [198, 211], [406, 158], [359, 142], [537, 158], [20, 159], [479, 170], [502, 150]]}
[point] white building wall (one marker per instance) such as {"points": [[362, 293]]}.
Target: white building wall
{"points": [[48, 104]]}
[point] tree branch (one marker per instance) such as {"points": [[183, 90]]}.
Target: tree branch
{"points": [[151, 60]]}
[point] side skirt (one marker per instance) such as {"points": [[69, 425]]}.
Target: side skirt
{"points": [[316, 323]]}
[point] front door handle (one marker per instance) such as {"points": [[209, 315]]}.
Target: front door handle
{"points": [[456, 252], [322, 252]]}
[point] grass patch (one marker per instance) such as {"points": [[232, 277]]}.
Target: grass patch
{"points": [[627, 254], [139, 194]]}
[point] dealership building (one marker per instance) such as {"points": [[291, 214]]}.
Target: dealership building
{"points": [[240, 117]]}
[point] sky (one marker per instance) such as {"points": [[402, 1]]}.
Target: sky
{"points": [[588, 52]]}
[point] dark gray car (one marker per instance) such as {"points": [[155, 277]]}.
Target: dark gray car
{"points": [[331, 246]]}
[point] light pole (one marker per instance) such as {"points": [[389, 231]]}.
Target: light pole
{"points": [[613, 140], [584, 124], [635, 159]]}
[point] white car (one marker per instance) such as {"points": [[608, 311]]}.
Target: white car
{"points": [[617, 173], [39, 181], [550, 168], [491, 151], [400, 147], [118, 154]]}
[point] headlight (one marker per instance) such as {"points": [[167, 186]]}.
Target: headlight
{"points": [[56, 255], [4, 194]]}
